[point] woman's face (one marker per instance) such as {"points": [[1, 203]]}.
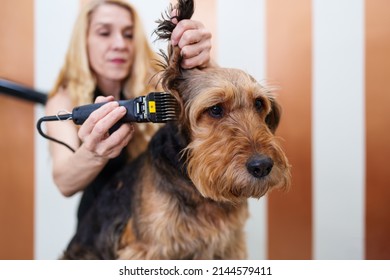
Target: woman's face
{"points": [[110, 42]]}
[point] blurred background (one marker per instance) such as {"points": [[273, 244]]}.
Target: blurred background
{"points": [[329, 60]]}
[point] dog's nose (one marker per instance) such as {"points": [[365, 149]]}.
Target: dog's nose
{"points": [[259, 166]]}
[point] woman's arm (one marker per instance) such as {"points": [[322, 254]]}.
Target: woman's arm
{"points": [[93, 146]]}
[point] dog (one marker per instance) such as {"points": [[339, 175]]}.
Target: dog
{"points": [[186, 196]]}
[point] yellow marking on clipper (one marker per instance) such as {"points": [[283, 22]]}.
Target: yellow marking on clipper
{"points": [[152, 107]]}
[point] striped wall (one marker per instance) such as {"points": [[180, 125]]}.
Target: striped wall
{"points": [[289, 66], [338, 44], [54, 214], [330, 61], [17, 134], [377, 75]]}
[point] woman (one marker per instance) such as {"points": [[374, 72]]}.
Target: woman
{"points": [[108, 59]]}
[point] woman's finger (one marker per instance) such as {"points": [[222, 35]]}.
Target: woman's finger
{"points": [[199, 60], [96, 116], [106, 122], [102, 98], [113, 145]]}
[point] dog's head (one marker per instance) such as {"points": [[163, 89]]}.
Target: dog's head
{"points": [[230, 122]]}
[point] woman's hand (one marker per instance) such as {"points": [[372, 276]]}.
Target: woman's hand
{"points": [[194, 40], [94, 131]]}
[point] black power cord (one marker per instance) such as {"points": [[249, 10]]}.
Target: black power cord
{"points": [[54, 118]]}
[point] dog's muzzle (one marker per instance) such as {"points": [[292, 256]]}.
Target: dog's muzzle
{"points": [[259, 166]]}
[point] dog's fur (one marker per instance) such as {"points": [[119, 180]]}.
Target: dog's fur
{"points": [[186, 196]]}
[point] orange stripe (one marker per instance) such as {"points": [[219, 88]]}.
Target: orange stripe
{"points": [[17, 140], [83, 2], [289, 66], [206, 13], [377, 129]]}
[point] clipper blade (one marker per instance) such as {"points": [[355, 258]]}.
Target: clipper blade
{"points": [[160, 107]]}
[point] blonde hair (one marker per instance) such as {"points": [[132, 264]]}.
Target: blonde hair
{"points": [[78, 78], [80, 81]]}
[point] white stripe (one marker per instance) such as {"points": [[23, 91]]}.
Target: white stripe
{"points": [[54, 215], [241, 33], [149, 12], [338, 129]]}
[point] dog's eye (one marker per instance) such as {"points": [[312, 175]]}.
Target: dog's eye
{"points": [[216, 111], [259, 104]]}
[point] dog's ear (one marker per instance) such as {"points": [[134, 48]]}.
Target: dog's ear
{"points": [[273, 117], [172, 68], [172, 74]]}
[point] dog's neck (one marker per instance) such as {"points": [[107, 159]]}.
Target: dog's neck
{"points": [[166, 150]]}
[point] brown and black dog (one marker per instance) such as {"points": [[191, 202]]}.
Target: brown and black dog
{"points": [[186, 196]]}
